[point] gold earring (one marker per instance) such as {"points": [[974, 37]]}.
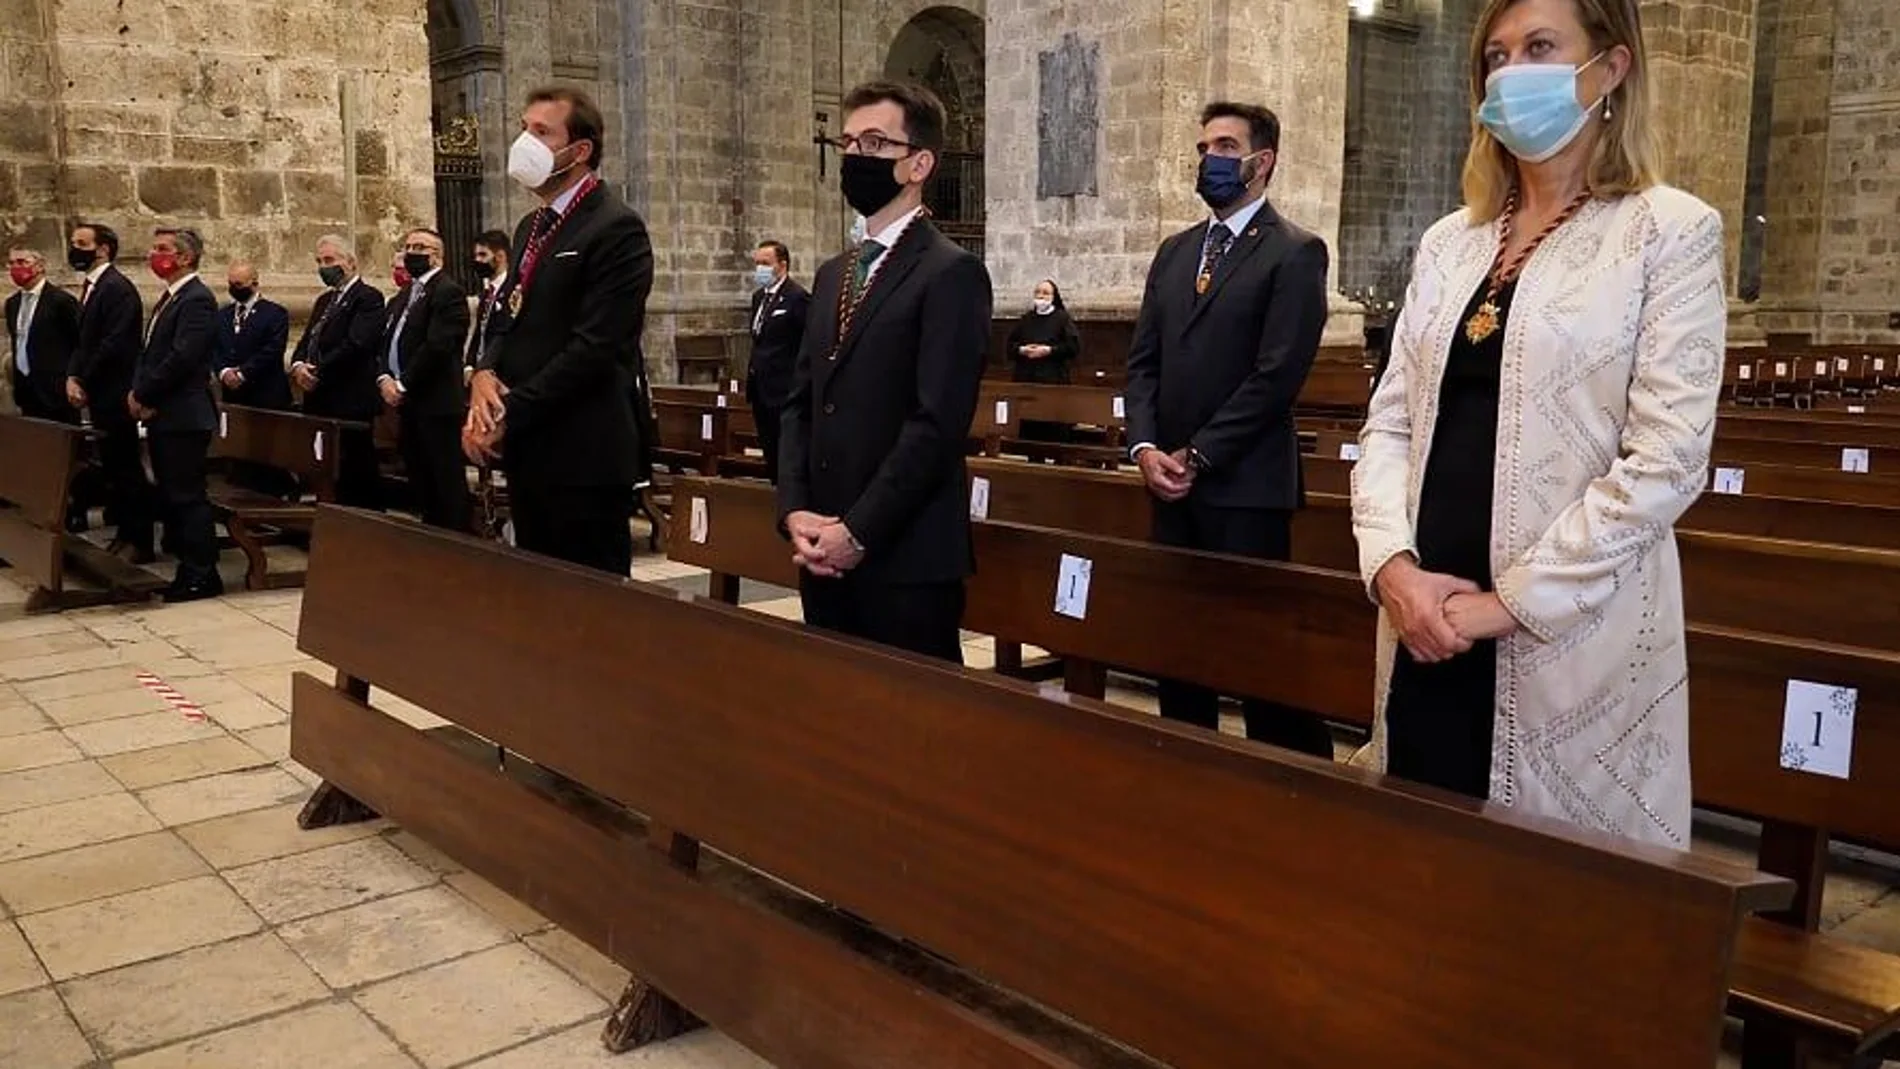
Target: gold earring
{"points": [[1607, 113]]}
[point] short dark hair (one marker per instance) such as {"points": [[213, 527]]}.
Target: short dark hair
{"points": [[779, 251], [104, 237], [189, 241], [1262, 124], [584, 121], [924, 117], [493, 240]]}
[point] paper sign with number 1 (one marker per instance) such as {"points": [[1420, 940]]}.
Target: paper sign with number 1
{"points": [[979, 498], [1817, 730], [1072, 586], [697, 527]]}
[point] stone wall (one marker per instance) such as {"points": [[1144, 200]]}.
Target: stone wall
{"points": [[1831, 257], [1159, 63], [261, 124], [1408, 122]]}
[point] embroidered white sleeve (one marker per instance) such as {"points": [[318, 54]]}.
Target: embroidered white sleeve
{"points": [[1573, 570]]}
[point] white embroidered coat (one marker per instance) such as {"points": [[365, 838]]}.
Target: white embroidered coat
{"points": [[1613, 356]]}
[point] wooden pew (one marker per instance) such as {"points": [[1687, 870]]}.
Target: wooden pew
{"points": [[1170, 897], [1253, 621], [38, 461], [308, 447], [1115, 503]]}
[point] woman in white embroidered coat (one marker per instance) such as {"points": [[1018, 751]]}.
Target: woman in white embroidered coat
{"points": [[1545, 419]]}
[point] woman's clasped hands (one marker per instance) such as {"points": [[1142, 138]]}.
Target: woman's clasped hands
{"points": [[1439, 616]]}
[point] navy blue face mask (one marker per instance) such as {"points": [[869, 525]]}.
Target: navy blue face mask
{"points": [[1223, 180]]}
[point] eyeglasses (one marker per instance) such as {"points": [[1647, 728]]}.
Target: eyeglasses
{"points": [[870, 144]]}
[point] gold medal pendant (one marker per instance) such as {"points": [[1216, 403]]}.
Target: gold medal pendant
{"points": [[1201, 282], [1483, 323], [514, 302]]}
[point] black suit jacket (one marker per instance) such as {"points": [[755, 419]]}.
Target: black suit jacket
{"points": [[775, 344], [110, 340], [875, 428], [174, 371], [570, 357], [257, 352], [430, 347], [51, 339], [1219, 372], [340, 348]]}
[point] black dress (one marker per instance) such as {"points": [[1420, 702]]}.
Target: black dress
{"points": [[1055, 330], [1439, 716]]}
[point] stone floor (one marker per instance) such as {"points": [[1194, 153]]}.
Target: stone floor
{"points": [[159, 908]]}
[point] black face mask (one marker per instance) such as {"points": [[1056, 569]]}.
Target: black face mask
{"points": [[332, 275], [417, 264], [485, 268], [240, 294], [869, 183], [81, 259]]}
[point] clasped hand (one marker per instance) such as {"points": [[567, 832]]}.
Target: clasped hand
{"points": [[1439, 616], [482, 431], [1169, 475], [822, 545]]}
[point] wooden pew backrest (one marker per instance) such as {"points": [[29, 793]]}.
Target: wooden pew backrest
{"points": [[1182, 893]]}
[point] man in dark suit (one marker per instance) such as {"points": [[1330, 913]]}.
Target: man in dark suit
{"points": [[422, 381], [1228, 329], [110, 320], [171, 395], [253, 332], [871, 485], [490, 319], [336, 365], [779, 307], [553, 399], [43, 329]]}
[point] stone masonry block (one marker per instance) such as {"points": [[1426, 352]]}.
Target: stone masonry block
{"points": [[179, 191]]}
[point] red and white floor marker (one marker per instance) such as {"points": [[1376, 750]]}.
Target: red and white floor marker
{"points": [[187, 708]]}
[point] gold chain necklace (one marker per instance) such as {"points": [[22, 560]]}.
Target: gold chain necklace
{"points": [[1484, 322]]}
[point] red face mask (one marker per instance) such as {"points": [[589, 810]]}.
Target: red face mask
{"points": [[399, 276], [22, 276], [163, 263]]}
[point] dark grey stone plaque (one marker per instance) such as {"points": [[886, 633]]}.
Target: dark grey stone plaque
{"points": [[1068, 118]]}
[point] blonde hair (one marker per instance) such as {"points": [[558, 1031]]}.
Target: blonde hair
{"points": [[1624, 160]]}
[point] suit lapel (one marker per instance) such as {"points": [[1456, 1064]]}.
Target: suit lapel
{"points": [[1245, 244], [889, 275]]}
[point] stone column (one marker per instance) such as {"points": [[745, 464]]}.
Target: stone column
{"points": [[1159, 62], [1701, 68], [1859, 243]]}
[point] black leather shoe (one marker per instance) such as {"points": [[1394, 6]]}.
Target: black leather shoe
{"points": [[194, 590]]}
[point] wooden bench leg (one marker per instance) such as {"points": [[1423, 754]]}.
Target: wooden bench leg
{"points": [[1799, 854], [256, 577], [645, 1014], [330, 806], [723, 587], [1009, 658], [1085, 678]]}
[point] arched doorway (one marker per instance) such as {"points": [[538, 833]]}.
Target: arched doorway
{"points": [[942, 47]]}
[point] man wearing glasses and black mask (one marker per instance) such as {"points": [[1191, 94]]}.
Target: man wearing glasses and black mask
{"points": [[871, 478]]}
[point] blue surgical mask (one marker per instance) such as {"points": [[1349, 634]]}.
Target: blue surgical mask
{"points": [[1223, 180], [1532, 108], [763, 276]]}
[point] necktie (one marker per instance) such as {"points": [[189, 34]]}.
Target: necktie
{"points": [[395, 337], [867, 257], [20, 362], [1219, 238], [758, 317], [243, 313], [85, 290], [157, 310]]}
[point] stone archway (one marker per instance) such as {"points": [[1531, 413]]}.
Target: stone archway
{"points": [[942, 47]]}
